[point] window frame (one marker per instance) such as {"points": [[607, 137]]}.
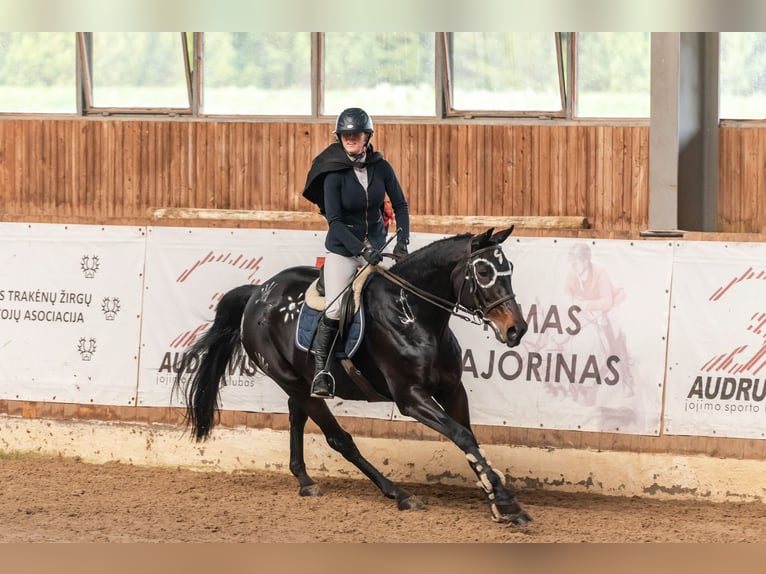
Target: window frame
{"points": [[319, 112], [575, 91], [733, 121], [46, 114], [447, 43], [198, 80], [85, 59]]}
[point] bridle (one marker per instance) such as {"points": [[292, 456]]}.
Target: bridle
{"points": [[469, 275]]}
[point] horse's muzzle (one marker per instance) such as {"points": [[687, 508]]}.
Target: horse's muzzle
{"points": [[509, 328], [515, 333]]}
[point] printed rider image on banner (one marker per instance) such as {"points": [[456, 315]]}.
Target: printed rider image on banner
{"points": [[590, 287]]}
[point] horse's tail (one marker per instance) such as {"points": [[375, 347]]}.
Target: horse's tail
{"points": [[211, 353]]}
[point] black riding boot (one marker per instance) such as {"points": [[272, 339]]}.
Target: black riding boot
{"points": [[323, 385]]}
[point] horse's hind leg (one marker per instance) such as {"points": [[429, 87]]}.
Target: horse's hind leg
{"points": [[298, 418], [342, 442]]}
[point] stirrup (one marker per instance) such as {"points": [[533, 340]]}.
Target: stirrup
{"points": [[321, 388]]}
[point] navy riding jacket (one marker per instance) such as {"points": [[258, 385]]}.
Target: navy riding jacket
{"points": [[356, 215]]}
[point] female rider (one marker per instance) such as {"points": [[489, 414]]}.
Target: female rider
{"points": [[349, 181]]}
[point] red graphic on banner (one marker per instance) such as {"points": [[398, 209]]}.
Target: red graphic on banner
{"points": [[187, 338], [251, 264], [746, 276], [738, 360], [240, 261]]}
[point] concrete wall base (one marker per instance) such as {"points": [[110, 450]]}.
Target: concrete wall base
{"points": [[661, 476]]}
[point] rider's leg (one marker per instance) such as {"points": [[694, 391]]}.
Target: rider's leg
{"points": [[323, 385], [338, 273]]}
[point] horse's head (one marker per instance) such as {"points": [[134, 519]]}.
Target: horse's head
{"points": [[486, 289]]}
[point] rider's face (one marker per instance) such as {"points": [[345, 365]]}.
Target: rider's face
{"points": [[580, 265], [354, 143]]}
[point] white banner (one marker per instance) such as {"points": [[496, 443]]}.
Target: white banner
{"points": [[716, 376], [70, 300], [592, 358], [187, 272]]}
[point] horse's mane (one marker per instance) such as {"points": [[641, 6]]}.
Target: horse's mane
{"points": [[433, 254]]}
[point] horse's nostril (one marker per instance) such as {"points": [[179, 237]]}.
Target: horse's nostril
{"points": [[516, 332]]}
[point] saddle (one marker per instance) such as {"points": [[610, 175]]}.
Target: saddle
{"points": [[351, 323], [350, 303]]}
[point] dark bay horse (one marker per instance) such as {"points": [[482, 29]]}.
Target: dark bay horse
{"points": [[408, 354]]}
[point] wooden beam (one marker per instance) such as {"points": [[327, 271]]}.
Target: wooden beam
{"points": [[526, 221], [235, 214]]}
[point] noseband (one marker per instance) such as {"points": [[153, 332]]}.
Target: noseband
{"points": [[477, 315]]}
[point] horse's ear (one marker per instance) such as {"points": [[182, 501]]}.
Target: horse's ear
{"points": [[482, 238], [501, 236]]}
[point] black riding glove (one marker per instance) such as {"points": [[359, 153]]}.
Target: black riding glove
{"points": [[400, 250], [372, 256]]}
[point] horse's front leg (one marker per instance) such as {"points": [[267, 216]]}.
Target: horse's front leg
{"points": [[421, 406], [298, 419], [502, 504]]}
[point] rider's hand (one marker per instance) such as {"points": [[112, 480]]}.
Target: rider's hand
{"points": [[372, 256], [400, 250]]}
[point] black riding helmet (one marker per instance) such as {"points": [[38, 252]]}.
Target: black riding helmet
{"points": [[353, 120]]}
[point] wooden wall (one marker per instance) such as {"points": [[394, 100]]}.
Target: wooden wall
{"points": [[742, 180], [114, 171]]}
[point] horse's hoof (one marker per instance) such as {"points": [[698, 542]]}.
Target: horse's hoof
{"points": [[521, 519], [310, 490], [412, 502]]}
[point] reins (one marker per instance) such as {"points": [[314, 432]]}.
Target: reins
{"points": [[452, 308], [457, 309]]}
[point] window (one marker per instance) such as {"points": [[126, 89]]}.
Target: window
{"points": [[742, 75], [386, 73], [37, 72], [613, 74], [257, 73], [317, 74], [505, 72], [137, 70]]}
